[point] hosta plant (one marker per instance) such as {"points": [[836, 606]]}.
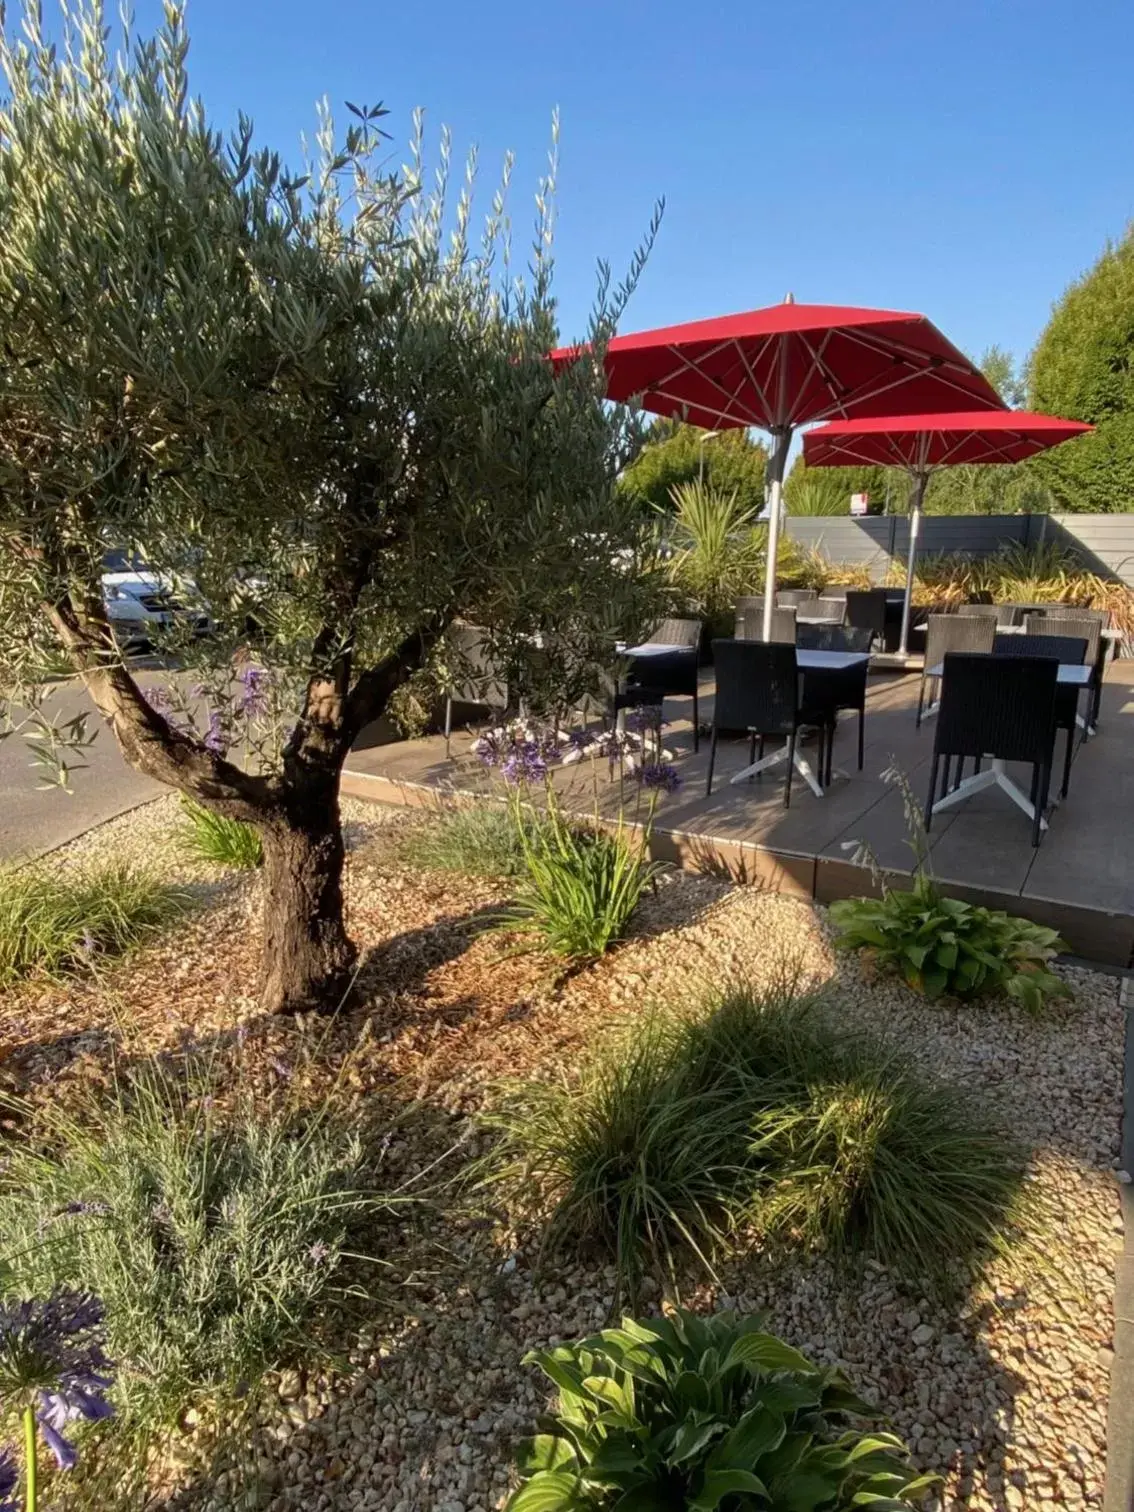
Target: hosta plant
{"points": [[943, 946], [705, 1413]]}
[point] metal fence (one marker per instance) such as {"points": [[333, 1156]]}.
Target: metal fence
{"points": [[1105, 543]]}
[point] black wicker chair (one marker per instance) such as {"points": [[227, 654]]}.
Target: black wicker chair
{"points": [[1070, 649], [866, 610], [831, 691], [750, 625], [952, 632], [649, 680], [758, 692], [999, 707], [1090, 624], [481, 679]]}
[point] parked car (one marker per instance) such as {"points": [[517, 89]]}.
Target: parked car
{"points": [[140, 605]]}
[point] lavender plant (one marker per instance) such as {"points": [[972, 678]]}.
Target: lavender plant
{"points": [[53, 1373]]}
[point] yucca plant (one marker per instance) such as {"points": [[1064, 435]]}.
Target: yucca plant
{"points": [[213, 837], [718, 547], [56, 920], [710, 1413]]}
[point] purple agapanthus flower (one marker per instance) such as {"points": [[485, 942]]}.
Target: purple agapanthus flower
{"points": [[490, 749], [9, 1480], [158, 699], [51, 1356], [526, 763], [661, 776], [646, 717], [214, 736]]}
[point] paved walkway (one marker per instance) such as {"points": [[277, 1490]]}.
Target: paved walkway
{"points": [[33, 821]]}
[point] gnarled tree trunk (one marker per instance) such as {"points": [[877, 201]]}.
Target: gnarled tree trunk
{"points": [[306, 960]]}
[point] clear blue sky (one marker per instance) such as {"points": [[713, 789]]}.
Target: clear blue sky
{"points": [[965, 158]]}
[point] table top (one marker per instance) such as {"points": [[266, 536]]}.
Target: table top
{"points": [[656, 648], [831, 661], [818, 619], [1070, 674]]}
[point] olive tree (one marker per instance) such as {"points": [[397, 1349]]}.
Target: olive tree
{"points": [[312, 401]]}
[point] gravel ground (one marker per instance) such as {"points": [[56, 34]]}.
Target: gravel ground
{"points": [[1006, 1397]]}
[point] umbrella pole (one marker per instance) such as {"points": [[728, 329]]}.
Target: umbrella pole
{"points": [[776, 465], [917, 494]]}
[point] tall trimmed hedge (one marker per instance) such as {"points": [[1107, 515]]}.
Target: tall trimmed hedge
{"points": [[674, 454], [1083, 367]]}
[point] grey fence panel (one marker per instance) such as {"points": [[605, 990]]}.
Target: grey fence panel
{"points": [[1104, 542]]}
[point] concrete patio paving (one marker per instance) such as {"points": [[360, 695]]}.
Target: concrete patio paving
{"points": [[1080, 880]]}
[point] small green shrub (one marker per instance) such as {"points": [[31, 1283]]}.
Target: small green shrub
{"points": [[943, 946], [56, 921], [215, 1242], [758, 1116], [685, 1412], [229, 842], [580, 884], [478, 840]]}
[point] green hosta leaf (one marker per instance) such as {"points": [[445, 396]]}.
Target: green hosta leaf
{"points": [[547, 1491], [946, 956], [692, 1438], [758, 1433], [804, 1491], [722, 1483], [691, 1390], [764, 1352], [545, 1452], [620, 1396]]}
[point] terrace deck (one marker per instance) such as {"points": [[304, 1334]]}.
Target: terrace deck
{"points": [[1080, 880]]}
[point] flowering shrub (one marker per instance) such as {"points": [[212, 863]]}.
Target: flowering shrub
{"points": [[581, 881]]}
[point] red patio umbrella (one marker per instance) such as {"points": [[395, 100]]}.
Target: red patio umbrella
{"points": [[923, 443], [786, 366]]}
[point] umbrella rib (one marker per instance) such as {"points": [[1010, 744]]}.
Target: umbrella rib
{"points": [[751, 376], [688, 366], [819, 365]]}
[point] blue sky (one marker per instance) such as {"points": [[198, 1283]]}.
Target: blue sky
{"points": [[966, 159]]}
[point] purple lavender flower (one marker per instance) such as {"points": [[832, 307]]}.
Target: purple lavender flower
{"points": [[50, 1357], [660, 776], [9, 1480], [280, 1067], [214, 736], [253, 695]]}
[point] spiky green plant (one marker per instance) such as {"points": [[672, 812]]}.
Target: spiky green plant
{"points": [[56, 919], [213, 837]]}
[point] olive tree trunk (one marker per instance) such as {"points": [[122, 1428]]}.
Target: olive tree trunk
{"points": [[306, 960]]}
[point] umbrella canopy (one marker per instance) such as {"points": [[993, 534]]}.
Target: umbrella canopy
{"points": [[923, 443], [789, 365]]}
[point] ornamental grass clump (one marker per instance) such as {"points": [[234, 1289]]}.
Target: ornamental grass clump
{"points": [[218, 1239], [228, 842], [55, 921], [708, 1413], [755, 1120], [474, 839]]}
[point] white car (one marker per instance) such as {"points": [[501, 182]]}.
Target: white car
{"points": [[139, 605]]}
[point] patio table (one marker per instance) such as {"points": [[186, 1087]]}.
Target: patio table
{"points": [[806, 661], [996, 775]]}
